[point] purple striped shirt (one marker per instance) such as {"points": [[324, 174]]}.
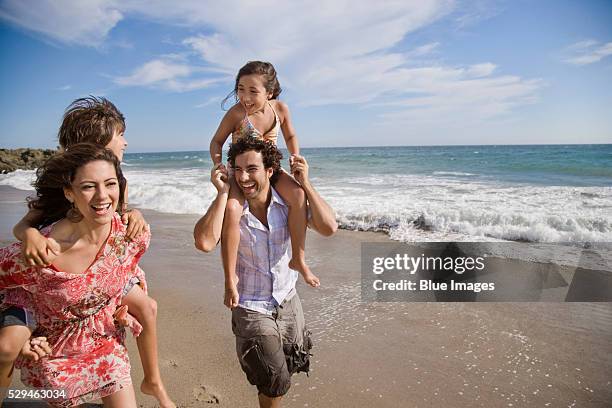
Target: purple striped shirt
{"points": [[264, 276]]}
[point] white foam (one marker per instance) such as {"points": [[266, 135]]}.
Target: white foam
{"points": [[452, 173], [455, 209], [407, 207], [171, 191], [19, 179]]}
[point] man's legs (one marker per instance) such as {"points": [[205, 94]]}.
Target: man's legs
{"points": [[295, 335], [260, 353], [272, 348]]}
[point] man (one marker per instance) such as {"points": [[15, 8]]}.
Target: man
{"points": [[272, 342]]}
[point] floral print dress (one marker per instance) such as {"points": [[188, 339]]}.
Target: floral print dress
{"points": [[75, 312]]}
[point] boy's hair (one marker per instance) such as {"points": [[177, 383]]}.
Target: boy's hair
{"points": [[270, 155], [266, 70], [90, 120], [58, 173]]}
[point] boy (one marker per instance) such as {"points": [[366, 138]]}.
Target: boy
{"points": [[91, 120]]}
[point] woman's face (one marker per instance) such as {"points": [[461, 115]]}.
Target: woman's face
{"points": [[95, 191]]}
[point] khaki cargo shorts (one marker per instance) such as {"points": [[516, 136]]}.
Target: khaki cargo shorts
{"points": [[272, 348]]}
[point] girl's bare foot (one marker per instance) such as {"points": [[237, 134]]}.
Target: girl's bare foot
{"points": [[158, 391], [309, 277]]}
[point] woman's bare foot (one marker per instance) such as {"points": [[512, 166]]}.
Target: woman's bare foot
{"points": [[309, 277], [158, 391]]}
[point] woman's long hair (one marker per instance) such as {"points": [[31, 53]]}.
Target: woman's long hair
{"points": [[58, 173]]}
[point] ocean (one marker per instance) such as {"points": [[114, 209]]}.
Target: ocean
{"points": [[541, 193]]}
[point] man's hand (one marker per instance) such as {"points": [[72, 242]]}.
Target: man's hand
{"points": [[38, 250], [299, 168], [220, 178], [135, 222], [36, 348], [231, 296]]}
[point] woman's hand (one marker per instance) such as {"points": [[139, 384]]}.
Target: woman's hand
{"points": [[38, 250], [135, 222]]}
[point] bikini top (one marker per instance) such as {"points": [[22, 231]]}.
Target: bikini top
{"points": [[246, 128]]}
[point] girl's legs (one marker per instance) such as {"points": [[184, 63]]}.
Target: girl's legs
{"points": [[295, 198], [230, 233], [12, 339], [144, 309], [124, 398]]}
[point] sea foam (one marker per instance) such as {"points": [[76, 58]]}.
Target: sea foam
{"points": [[407, 207]]}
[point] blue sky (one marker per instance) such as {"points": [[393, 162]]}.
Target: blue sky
{"points": [[354, 73]]}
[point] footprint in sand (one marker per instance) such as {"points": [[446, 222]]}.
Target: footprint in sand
{"points": [[201, 394]]}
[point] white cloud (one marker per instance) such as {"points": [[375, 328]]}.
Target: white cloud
{"points": [[69, 21], [481, 70], [475, 11], [587, 52], [64, 88], [168, 75], [337, 52], [212, 100], [424, 49]]}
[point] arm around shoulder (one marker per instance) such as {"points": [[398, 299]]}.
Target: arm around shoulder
{"points": [[36, 249]]}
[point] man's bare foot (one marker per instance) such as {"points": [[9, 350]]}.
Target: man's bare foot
{"points": [[309, 277], [158, 391]]}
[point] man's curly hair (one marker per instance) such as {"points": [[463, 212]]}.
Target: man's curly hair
{"points": [[269, 153]]}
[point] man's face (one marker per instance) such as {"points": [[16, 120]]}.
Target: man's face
{"points": [[251, 176]]}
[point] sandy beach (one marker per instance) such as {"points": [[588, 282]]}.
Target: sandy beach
{"points": [[365, 354]]}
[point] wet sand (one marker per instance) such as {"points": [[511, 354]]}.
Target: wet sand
{"points": [[367, 354]]}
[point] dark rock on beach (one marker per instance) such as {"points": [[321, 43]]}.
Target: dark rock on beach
{"points": [[27, 159]]}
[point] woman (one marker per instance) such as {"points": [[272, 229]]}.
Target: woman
{"points": [[74, 299]]}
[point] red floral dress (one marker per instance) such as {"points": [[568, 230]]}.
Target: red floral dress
{"points": [[75, 312]]}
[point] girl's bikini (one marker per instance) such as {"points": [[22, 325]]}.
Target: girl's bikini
{"points": [[247, 129]]}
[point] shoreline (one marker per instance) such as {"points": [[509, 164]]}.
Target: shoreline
{"points": [[424, 354]]}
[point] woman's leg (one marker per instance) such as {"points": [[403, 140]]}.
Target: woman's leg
{"points": [[144, 309], [295, 198], [124, 398]]}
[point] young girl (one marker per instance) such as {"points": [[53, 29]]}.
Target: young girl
{"points": [[258, 113], [98, 121], [74, 299]]}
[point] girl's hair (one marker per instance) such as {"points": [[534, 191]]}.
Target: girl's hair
{"points": [[266, 70], [90, 120], [58, 173]]}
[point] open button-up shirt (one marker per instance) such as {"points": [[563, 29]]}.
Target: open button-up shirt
{"points": [[264, 276]]}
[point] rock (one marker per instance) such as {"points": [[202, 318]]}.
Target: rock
{"points": [[26, 159]]}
